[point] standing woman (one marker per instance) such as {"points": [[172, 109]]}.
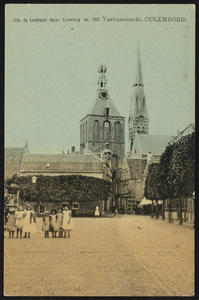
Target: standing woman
{"points": [[28, 221], [67, 221]]}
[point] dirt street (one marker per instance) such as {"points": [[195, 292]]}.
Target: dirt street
{"points": [[121, 256]]}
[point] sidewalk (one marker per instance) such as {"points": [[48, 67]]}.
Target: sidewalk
{"points": [[187, 223]]}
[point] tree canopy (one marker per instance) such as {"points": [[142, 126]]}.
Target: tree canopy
{"points": [[174, 175], [62, 188]]}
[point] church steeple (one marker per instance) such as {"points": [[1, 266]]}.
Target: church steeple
{"points": [[102, 81], [138, 76], [103, 123], [138, 115]]}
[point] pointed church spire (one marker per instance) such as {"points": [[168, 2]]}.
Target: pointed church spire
{"points": [[138, 75], [138, 115]]}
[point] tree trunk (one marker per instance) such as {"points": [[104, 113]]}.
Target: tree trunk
{"points": [[157, 211], [185, 209], [169, 210], [163, 215], [152, 210], [180, 212]]}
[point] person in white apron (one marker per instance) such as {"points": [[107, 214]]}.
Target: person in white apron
{"points": [[19, 216], [97, 213], [54, 227], [67, 221], [29, 222]]}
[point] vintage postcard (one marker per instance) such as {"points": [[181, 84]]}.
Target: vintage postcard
{"points": [[99, 150]]}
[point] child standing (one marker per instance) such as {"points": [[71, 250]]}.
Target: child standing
{"points": [[53, 223], [67, 221], [11, 228], [28, 221], [60, 221], [19, 216], [46, 224]]}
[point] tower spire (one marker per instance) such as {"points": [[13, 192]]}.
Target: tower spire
{"points": [[138, 115], [138, 75]]}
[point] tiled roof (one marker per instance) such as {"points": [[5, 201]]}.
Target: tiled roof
{"points": [[155, 144], [98, 108], [12, 161], [136, 167], [61, 163]]}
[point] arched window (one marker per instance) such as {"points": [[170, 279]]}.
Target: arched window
{"points": [[117, 131], [141, 120], [106, 131], [96, 130]]}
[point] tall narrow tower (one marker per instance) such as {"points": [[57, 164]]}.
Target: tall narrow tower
{"points": [[103, 123], [138, 115]]}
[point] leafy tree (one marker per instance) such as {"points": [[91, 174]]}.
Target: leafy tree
{"points": [[62, 188], [182, 169]]}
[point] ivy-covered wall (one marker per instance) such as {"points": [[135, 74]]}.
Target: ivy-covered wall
{"points": [[70, 188]]}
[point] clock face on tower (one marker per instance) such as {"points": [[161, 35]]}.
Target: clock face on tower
{"points": [[103, 95]]}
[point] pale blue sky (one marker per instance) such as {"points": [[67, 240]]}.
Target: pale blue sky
{"points": [[51, 69]]}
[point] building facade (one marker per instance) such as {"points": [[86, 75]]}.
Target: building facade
{"points": [[103, 123]]}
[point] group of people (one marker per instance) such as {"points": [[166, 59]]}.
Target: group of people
{"points": [[23, 221], [58, 222]]}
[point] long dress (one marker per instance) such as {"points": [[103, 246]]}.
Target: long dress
{"points": [[66, 217], [54, 226], [10, 226], [97, 213], [59, 220], [46, 223], [28, 222], [19, 215]]}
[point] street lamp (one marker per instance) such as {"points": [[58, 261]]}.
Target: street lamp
{"points": [[34, 179]]}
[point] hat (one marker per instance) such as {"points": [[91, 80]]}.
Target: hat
{"points": [[28, 205], [53, 210], [47, 212], [11, 209], [60, 207]]}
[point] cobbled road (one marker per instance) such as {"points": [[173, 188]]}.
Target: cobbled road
{"points": [[127, 255]]}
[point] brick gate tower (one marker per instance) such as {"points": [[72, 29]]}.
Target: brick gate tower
{"points": [[103, 123], [138, 115]]}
